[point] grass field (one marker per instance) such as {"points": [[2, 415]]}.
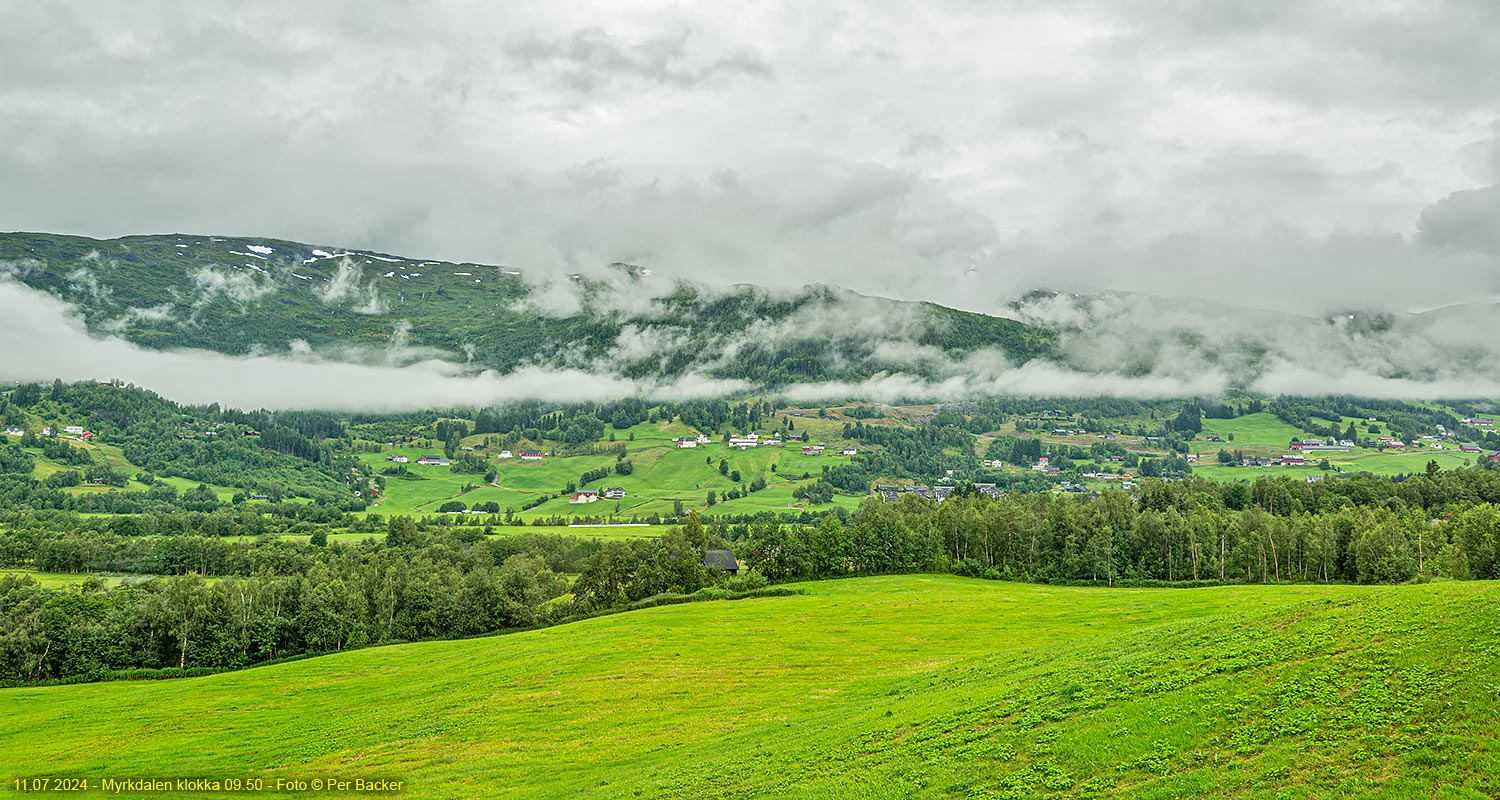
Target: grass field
{"points": [[663, 474], [61, 579], [112, 456], [874, 688], [605, 532], [1253, 432]]}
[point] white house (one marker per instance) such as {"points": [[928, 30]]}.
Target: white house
{"points": [[584, 496], [849, 451], [73, 429], [685, 442], [504, 454]]}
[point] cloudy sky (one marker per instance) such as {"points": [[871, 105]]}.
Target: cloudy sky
{"points": [[1298, 156]]}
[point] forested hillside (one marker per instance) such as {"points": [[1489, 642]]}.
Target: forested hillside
{"points": [[240, 296], [69, 437]]}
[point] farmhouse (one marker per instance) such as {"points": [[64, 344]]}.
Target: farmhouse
{"points": [[685, 442], [434, 461], [15, 432], [398, 459], [505, 454], [584, 496], [1470, 448], [1255, 461], [531, 455], [813, 450], [614, 493], [722, 560], [848, 451], [1293, 461], [73, 429]]}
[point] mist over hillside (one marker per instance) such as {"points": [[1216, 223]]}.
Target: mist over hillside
{"points": [[277, 324]]}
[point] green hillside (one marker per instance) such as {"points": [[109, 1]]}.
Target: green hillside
{"points": [[871, 688], [240, 295], [663, 474]]}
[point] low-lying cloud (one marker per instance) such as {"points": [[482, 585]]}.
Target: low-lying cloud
{"points": [[1123, 346], [43, 338]]}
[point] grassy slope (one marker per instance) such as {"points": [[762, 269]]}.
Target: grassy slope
{"points": [[112, 456], [1253, 432], [663, 474], [885, 687]]}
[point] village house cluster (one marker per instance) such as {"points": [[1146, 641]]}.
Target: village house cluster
{"points": [[68, 431]]}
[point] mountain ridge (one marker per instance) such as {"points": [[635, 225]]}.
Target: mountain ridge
{"points": [[246, 296]]}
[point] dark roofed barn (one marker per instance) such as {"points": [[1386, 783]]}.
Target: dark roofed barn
{"points": [[722, 560]]}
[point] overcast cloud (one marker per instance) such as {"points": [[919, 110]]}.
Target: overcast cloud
{"points": [[1296, 156]]}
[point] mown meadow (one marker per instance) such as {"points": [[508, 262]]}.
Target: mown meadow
{"points": [[909, 686]]}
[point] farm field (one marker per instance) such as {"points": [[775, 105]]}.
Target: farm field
{"points": [[61, 579], [1262, 431], [912, 686], [113, 457], [663, 474], [604, 532], [1371, 461]]}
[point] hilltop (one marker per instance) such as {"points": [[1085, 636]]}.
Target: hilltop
{"points": [[881, 687]]}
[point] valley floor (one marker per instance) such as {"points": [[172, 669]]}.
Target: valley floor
{"points": [[879, 687]]}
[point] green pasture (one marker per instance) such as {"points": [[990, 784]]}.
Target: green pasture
{"points": [[896, 687], [1257, 432], [44, 466], [663, 474], [64, 579]]}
